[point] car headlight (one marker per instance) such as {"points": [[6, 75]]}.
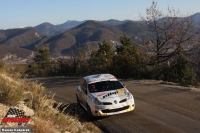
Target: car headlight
{"points": [[97, 102], [129, 96]]}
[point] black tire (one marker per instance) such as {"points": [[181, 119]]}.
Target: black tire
{"points": [[90, 117], [78, 100]]}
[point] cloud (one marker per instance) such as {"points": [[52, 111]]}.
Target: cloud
{"points": [[136, 17], [22, 26]]}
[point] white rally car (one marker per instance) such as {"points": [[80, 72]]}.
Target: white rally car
{"points": [[104, 95]]}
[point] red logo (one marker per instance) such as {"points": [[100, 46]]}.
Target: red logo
{"points": [[15, 120], [16, 116]]}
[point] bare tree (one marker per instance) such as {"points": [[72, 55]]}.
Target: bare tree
{"points": [[170, 31]]}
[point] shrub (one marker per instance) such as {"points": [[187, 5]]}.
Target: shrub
{"points": [[11, 94], [42, 126], [1, 64]]}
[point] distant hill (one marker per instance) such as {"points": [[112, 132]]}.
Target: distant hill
{"points": [[49, 29], [10, 53], [88, 33], [196, 18], [114, 22], [70, 24], [93, 31], [137, 31], [73, 23], [20, 37]]}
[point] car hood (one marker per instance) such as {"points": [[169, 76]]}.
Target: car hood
{"points": [[110, 96]]}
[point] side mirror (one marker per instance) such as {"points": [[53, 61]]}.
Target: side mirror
{"points": [[124, 85]]}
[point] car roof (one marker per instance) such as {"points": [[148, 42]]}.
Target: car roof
{"points": [[100, 77]]}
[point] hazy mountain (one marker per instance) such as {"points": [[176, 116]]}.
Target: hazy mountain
{"points": [[49, 29], [114, 22], [73, 23], [196, 18], [70, 24]]}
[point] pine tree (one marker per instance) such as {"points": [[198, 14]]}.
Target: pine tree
{"points": [[43, 64], [182, 72], [129, 60], [101, 59]]}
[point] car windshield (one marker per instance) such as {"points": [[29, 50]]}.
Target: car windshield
{"points": [[104, 86]]}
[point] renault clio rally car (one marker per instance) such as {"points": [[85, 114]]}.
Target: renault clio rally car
{"points": [[104, 95]]}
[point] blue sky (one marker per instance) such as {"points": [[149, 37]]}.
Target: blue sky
{"points": [[20, 13]]}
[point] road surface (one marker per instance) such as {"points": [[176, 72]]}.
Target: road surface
{"points": [[160, 108]]}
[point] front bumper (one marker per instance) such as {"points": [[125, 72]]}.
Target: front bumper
{"points": [[108, 112]]}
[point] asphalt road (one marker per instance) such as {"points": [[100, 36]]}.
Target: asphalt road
{"points": [[159, 108]]}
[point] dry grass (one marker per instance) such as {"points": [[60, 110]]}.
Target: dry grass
{"points": [[11, 91], [42, 126], [11, 94]]}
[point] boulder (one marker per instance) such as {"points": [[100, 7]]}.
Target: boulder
{"points": [[28, 111]]}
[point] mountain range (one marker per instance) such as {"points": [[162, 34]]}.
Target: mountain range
{"points": [[50, 29], [65, 39]]}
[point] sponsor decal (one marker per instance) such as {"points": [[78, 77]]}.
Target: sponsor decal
{"points": [[16, 116], [101, 94], [109, 94], [116, 92], [120, 91]]}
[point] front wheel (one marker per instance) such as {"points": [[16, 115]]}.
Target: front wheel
{"points": [[90, 117], [77, 99]]}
